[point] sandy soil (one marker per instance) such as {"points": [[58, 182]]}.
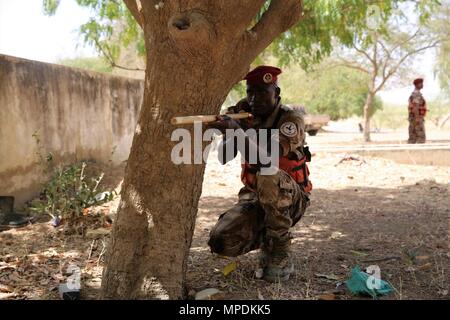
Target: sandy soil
{"points": [[363, 212], [373, 209]]}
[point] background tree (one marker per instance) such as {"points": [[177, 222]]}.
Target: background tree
{"points": [[439, 25], [386, 55], [337, 91], [195, 52], [113, 32], [97, 64]]}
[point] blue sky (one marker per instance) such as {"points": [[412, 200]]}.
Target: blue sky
{"points": [[26, 32]]}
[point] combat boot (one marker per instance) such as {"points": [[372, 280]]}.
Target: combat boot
{"points": [[279, 262]]}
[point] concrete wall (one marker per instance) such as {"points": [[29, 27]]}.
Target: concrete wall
{"points": [[77, 115]]}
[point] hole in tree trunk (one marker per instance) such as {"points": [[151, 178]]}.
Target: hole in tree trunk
{"points": [[181, 24]]}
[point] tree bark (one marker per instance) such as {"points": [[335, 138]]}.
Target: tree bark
{"points": [[367, 115], [194, 57]]}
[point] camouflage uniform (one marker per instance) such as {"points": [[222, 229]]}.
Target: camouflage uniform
{"points": [[267, 207], [416, 110]]}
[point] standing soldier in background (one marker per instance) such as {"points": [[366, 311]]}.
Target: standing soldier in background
{"points": [[417, 109]]}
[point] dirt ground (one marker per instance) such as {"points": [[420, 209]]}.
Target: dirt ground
{"points": [[363, 212]]}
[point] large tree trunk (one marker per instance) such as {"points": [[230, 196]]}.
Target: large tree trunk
{"points": [[367, 115], [194, 56]]}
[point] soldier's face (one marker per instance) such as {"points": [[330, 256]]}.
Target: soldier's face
{"points": [[262, 99], [419, 86]]}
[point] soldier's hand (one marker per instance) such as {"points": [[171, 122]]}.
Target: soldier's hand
{"points": [[223, 123], [242, 106]]}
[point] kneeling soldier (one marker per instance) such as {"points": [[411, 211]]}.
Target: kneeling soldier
{"points": [[269, 204]]}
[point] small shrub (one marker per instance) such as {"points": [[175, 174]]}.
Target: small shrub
{"points": [[69, 191]]}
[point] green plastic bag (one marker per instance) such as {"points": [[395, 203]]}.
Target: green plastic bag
{"points": [[358, 284]]}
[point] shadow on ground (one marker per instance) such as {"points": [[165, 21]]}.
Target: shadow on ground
{"points": [[404, 231]]}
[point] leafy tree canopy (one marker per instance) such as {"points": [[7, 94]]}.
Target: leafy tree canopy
{"points": [[97, 64], [324, 21]]}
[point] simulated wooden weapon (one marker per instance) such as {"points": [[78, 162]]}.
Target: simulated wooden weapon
{"points": [[207, 118]]}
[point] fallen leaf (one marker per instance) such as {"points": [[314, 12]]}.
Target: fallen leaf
{"points": [[58, 276], [442, 245], [336, 235], [4, 296], [328, 276], [443, 292], [426, 266], [422, 258], [359, 253], [7, 267], [97, 233], [191, 293], [15, 278], [209, 294], [260, 296], [229, 268], [327, 296], [222, 257], [5, 288]]}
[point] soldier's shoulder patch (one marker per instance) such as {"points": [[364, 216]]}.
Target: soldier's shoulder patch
{"points": [[289, 129], [286, 108]]}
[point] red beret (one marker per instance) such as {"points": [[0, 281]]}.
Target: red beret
{"points": [[417, 81], [263, 75]]}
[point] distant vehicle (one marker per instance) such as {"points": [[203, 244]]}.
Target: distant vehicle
{"points": [[313, 122]]}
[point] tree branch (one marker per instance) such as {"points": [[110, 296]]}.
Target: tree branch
{"points": [[243, 13], [403, 42], [349, 64], [364, 53], [399, 63], [279, 17], [107, 54], [375, 59], [383, 46], [390, 52], [134, 6]]}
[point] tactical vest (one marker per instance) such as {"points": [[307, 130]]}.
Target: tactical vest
{"points": [[422, 109], [297, 169]]}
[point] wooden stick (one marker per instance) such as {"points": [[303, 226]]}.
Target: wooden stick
{"points": [[383, 259], [207, 118]]}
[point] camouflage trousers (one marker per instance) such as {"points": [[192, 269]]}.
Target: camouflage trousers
{"points": [[416, 130], [260, 216]]}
